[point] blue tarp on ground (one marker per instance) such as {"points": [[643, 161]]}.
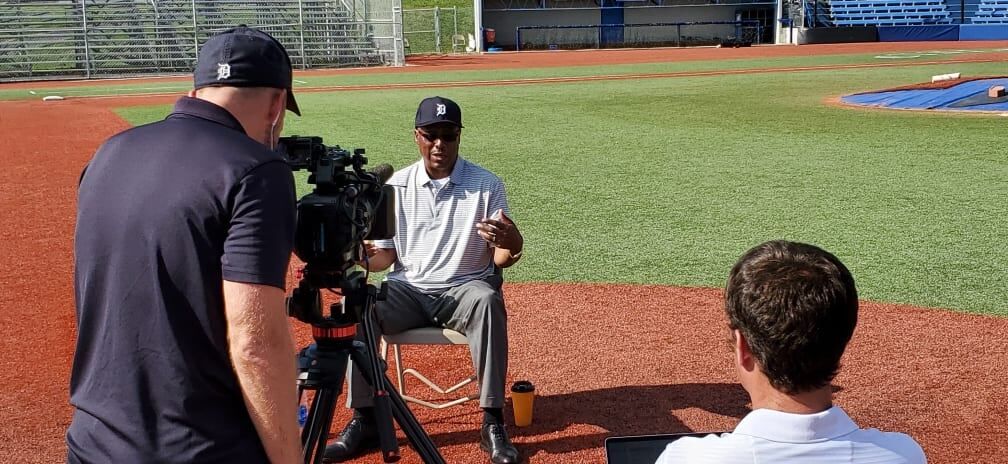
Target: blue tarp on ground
{"points": [[983, 32], [968, 96], [917, 33]]}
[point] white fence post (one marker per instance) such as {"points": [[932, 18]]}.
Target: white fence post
{"points": [[87, 53], [304, 59], [195, 32], [437, 29]]}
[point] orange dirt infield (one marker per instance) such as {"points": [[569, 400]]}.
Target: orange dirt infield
{"points": [[606, 359]]}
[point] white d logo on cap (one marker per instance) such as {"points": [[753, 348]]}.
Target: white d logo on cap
{"points": [[223, 71], [441, 110]]}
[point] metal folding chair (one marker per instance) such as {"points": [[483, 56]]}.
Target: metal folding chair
{"points": [[425, 336]]}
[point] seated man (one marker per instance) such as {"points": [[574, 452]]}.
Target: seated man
{"points": [[792, 309], [452, 234]]}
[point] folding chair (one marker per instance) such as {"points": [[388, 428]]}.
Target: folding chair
{"points": [[425, 336], [458, 43]]}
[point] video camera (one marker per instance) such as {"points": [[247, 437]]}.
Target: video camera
{"points": [[347, 206]]}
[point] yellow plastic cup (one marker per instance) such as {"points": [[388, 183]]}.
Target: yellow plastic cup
{"points": [[522, 397]]}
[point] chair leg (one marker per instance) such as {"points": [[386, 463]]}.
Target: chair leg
{"points": [[430, 383], [401, 378]]}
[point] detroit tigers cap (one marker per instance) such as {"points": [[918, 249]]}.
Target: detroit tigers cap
{"points": [[434, 110], [245, 57]]}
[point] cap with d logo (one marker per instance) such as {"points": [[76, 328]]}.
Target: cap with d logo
{"points": [[436, 110], [245, 57]]}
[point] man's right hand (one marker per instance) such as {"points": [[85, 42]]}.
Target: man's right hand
{"points": [[368, 250], [378, 259]]}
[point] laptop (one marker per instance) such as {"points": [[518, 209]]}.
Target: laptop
{"points": [[641, 449]]}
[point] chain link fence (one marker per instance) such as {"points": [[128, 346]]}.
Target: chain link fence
{"points": [[438, 30], [101, 38]]}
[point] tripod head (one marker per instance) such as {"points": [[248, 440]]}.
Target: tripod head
{"points": [[305, 301]]}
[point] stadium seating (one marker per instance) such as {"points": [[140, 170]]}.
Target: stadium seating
{"points": [[991, 12], [890, 12]]}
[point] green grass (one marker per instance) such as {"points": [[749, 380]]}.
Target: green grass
{"points": [[669, 180]]}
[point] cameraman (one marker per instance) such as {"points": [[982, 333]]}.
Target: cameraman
{"points": [[448, 248], [791, 310], [184, 233]]}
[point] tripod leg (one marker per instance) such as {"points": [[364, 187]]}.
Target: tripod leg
{"points": [[411, 427], [382, 412], [323, 409], [396, 407], [323, 371]]}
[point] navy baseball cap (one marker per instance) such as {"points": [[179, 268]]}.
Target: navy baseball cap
{"points": [[434, 110], [245, 57]]}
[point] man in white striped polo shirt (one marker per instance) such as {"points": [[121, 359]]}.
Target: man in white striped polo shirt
{"points": [[453, 233]]}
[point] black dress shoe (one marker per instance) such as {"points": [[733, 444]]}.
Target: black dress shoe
{"points": [[358, 437], [494, 440]]}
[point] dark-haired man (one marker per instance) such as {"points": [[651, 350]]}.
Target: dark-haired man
{"points": [[791, 310], [453, 233], [184, 232]]}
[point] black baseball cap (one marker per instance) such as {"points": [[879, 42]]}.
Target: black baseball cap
{"points": [[434, 110], [245, 57]]}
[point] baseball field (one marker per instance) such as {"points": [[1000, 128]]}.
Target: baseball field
{"points": [[637, 178]]}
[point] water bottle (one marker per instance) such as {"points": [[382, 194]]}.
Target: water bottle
{"points": [[302, 410]]}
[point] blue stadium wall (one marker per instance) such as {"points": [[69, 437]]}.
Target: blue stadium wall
{"points": [[948, 32]]}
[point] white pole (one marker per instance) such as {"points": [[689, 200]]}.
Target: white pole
{"points": [[87, 55], [478, 24], [399, 58], [195, 31], [304, 60], [779, 26], [437, 29]]}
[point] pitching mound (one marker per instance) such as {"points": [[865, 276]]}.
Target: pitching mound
{"points": [[976, 94]]}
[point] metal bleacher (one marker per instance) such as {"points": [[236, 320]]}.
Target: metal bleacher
{"points": [[890, 12], [991, 12]]}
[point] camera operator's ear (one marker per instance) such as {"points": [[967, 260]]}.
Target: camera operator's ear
{"points": [[277, 106]]}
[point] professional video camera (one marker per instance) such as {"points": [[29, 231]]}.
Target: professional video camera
{"points": [[347, 206]]}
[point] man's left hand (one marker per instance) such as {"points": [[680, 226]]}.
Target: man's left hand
{"points": [[500, 233]]}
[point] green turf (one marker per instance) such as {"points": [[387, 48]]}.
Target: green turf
{"points": [[669, 180]]}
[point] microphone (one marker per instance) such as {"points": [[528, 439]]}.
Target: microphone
{"points": [[382, 172]]}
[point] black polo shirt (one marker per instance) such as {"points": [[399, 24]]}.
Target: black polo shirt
{"points": [[165, 212]]}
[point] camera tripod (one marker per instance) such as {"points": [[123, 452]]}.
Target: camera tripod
{"points": [[322, 367]]}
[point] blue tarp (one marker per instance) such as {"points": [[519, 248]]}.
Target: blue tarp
{"points": [[935, 99], [917, 33], [983, 32]]}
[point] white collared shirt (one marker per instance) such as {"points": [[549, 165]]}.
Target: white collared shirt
{"points": [[436, 240], [768, 436]]}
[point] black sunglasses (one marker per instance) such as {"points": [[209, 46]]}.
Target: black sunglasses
{"points": [[446, 136]]}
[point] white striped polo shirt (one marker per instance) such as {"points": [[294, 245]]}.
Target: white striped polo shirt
{"points": [[436, 240]]}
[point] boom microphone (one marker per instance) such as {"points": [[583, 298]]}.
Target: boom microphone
{"points": [[383, 172], [384, 227]]}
